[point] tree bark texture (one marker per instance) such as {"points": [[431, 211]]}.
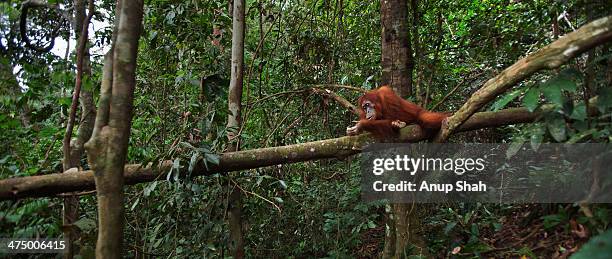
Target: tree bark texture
{"points": [[76, 147], [397, 67], [233, 124], [397, 63], [107, 149]]}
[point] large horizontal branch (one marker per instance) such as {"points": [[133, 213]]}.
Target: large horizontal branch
{"points": [[549, 57], [73, 180]]}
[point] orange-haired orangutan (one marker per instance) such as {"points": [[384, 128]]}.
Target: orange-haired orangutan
{"points": [[383, 113]]}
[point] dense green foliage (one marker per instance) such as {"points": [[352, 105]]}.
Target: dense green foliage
{"points": [[310, 209]]}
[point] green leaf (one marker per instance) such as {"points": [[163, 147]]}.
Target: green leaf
{"points": [[556, 127], [170, 17], [371, 224], [204, 149], [604, 100], [187, 145], [598, 247], [449, 227], [553, 94], [194, 82], [193, 161], [552, 220], [566, 84], [205, 163], [149, 188], [175, 170], [579, 112], [501, 103], [531, 99], [514, 147], [135, 204], [581, 125], [65, 101], [580, 136], [497, 226], [564, 80], [536, 138], [87, 84], [213, 158], [47, 132], [474, 230], [152, 35], [4, 159], [282, 184], [13, 218]]}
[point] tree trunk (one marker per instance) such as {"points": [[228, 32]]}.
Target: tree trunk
{"points": [[409, 230], [396, 52], [76, 149], [233, 124], [107, 147], [397, 68]]}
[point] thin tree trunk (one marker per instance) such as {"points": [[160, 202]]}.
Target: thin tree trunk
{"points": [[409, 230], [73, 150], [233, 123], [107, 147]]}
